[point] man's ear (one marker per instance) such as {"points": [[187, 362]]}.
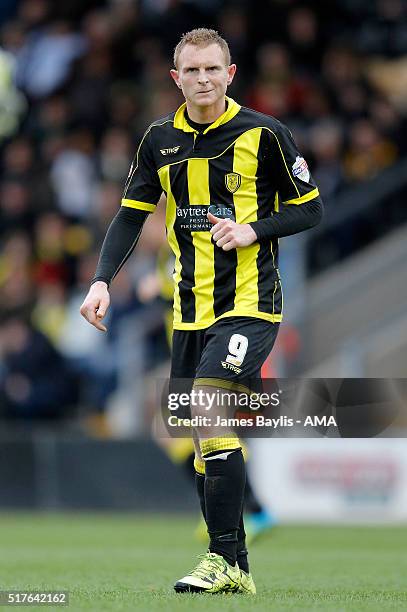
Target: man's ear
{"points": [[175, 76], [231, 72]]}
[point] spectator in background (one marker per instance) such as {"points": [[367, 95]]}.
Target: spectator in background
{"points": [[53, 263], [325, 142], [15, 208], [85, 349], [12, 103], [73, 174], [304, 39], [384, 32], [389, 122], [115, 155], [21, 166], [35, 382], [278, 90], [368, 152], [17, 288], [104, 205], [44, 62], [49, 311]]}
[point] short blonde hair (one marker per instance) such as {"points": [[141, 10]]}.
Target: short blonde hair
{"points": [[202, 37]]}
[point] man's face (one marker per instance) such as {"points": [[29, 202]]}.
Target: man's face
{"points": [[203, 75]]}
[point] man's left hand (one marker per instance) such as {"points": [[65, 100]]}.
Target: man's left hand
{"points": [[229, 235]]}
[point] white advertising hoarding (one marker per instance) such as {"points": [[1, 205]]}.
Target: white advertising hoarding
{"points": [[332, 480]]}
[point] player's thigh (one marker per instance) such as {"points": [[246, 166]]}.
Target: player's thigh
{"points": [[186, 352], [187, 346], [236, 348]]}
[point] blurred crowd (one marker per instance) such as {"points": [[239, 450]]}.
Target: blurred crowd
{"points": [[80, 81]]}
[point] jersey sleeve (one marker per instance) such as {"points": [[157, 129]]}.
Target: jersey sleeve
{"points": [[143, 189], [290, 172]]}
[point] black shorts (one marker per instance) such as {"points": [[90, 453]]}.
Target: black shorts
{"points": [[232, 349]]}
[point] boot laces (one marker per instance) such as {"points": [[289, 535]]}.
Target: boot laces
{"points": [[210, 562]]}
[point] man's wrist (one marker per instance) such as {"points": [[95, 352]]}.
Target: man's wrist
{"points": [[264, 229], [98, 281], [253, 226]]}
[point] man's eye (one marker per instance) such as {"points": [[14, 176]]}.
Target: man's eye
{"points": [[191, 69]]}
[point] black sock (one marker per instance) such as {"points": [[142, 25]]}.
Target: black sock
{"points": [[241, 555], [250, 504], [224, 490]]}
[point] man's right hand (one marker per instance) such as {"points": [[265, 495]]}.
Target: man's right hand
{"points": [[95, 304]]}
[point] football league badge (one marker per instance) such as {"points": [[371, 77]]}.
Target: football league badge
{"points": [[300, 169]]}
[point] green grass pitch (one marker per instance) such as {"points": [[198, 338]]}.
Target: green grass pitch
{"points": [[122, 562]]}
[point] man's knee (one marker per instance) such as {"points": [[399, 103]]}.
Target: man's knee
{"points": [[199, 465], [201, 401], [218, 445]]}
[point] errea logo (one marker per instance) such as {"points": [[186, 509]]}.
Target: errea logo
{"points": [[170, 151], [230, 366]]}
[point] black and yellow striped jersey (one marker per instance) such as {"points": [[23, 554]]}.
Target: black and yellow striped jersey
{"points": [[244, 166]]}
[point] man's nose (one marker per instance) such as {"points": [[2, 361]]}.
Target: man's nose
{"points": [[203, 77]]}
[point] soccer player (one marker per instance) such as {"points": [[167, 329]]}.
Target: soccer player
{"points": [[258, 520], [235, 183]]}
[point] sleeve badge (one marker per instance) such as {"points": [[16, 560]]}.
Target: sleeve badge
{"points": [[300, 169]]}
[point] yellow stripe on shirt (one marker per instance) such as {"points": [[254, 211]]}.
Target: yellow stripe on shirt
{"points": [[138, 205], [305, 198], [245, 163]]}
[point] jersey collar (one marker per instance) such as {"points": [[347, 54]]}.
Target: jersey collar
{"points": [[180, 123]]}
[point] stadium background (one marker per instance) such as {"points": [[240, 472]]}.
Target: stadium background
{"points": [[79, 83]]}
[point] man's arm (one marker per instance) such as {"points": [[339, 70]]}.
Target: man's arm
{"points": [[141, 194], [300, 205], [121, 238], [118, 245], [290, 220]]}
